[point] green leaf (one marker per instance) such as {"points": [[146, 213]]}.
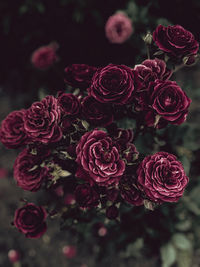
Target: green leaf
{"points": [[168, 255], [181, 241]]}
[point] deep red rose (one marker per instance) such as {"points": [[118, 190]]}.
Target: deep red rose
{"points": [[12, 133], [41, 121], [175, 41], [45, 56], [97, 114], [69, 104], [151, 70], [79, 75], [28, 173], [98, 159], [169, 101], [129, 191], [114, 84], [30, 220], [161, 177], [86, 196], [112, 194], [118, 28]]}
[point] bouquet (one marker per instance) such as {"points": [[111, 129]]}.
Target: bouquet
{"points": [[80, 147]]}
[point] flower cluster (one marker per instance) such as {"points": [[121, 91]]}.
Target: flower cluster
{"points": [[73, 143]]}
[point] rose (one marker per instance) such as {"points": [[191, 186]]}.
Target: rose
{"points": [[151, 70], [118, 28], [30, 220], [129, 192], [41, 121], [86, 196], [79, 75], [12, 133], [69, 104], [112, 212], [98, 159], [96, 113], [45, 56], [114, 84], [28, 173], [175, 40], [169, 101], [161, 177]]}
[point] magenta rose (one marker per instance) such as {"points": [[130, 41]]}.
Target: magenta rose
{"points": [[30, 220], [69, 104], [79, 75], [162, 178], [28, 173], [12, 133], [175, 41], [114, 84], [86, 196], [151, 70], [96, 113], [98, 159], [45, 56], [129, 191], [41, 121], [169, 101], [118, 28]]}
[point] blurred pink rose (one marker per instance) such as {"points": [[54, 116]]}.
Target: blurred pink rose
{"points": [[118, 28], [45, 56]]}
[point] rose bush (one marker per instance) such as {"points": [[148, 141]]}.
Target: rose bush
{"points": [[114, 84], [161, 177], [30, 220], [98, 159]]}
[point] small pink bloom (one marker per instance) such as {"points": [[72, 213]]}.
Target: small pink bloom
{"points": [[13, 255], [118, 28], [69, 251], [69, 199], [45, 56]]}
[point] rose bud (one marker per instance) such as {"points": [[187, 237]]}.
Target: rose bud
{"points": [[45, 56], [175, 41], [114, 84], [112, 212], [161, 178], [98, 159], [13, 255], [12, 133], [30, 220], [69, 251], [79, 75], [118, 28]]}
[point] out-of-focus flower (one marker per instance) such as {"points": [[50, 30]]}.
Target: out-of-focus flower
{"points": [[45, 56], [118, 28]]}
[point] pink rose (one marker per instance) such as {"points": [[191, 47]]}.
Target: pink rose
{"points": [[118, 28]]}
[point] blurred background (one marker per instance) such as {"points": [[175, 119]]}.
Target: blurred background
{"points": [[170, 235]]}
